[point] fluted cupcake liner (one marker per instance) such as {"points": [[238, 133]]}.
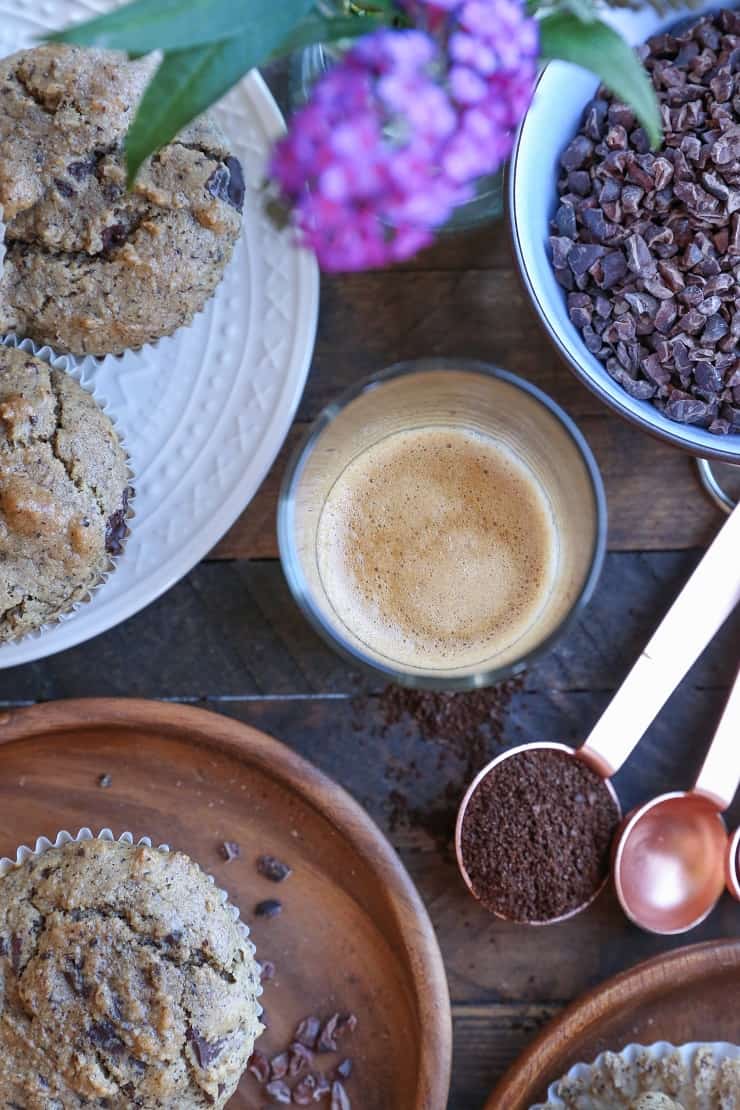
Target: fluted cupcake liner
{"points": [[629, 1074], [65, 364], [43, 844]]}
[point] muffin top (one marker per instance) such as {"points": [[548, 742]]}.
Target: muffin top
{"points": [[702, 1080], [124, 982], [63, 492], [90, 267]]}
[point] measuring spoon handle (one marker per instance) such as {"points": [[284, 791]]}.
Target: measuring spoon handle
{"points": [[703, 605], [719, 777]]}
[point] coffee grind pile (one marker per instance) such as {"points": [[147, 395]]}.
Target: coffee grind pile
{"points": [[648, 243], [536, 835]]}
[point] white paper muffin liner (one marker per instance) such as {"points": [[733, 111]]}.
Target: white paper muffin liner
{"points": [[659, 1051], [67, 365], [43, 844]]}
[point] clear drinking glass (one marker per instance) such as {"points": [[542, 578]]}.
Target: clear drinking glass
{"points": [[478, 398]]}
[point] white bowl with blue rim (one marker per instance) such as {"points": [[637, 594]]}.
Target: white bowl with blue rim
{"points": [[553, 119]]}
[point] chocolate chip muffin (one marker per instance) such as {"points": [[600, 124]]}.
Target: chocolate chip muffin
{"points": [[90, 267], [63, 493], [124, 982]]}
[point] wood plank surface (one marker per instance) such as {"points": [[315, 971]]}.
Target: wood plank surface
{"points": [[230, 638]]}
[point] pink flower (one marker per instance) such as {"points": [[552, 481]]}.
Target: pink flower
{"points": [[395, 135]]}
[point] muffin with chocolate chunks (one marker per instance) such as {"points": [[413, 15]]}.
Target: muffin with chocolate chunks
{"points": [[63, 493], [91, 267], [124, 982]]}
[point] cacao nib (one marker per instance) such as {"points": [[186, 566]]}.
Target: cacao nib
{"points": [[273, 869], [647, 243], [205, 1051], [226, 183], [269, 908]]}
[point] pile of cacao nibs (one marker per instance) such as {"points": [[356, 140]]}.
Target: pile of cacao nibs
{"points": [[648, 244], [291, 1077]]}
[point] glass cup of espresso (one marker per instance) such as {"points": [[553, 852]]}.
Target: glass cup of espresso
{"points": [[442, 523]]}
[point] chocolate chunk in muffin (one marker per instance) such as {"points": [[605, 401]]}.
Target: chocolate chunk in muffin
{"points": [[63, 493], [91, 267], [132, 984]]}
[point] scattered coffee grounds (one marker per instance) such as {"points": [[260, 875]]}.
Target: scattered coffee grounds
{"points": [[466, 729], [536, 835], [269, 908], [296, 1065], [648, 244], [273, 869], [104, 782], [230, 850]]}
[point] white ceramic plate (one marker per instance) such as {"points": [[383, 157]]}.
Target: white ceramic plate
{"points": [[562, 93], [205, 412]]}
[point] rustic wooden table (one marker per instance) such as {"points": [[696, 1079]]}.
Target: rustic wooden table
{"points": [[229, 638]]}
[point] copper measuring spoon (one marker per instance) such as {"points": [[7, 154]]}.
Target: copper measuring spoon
{"points": [[670, 856], [703, 605]]}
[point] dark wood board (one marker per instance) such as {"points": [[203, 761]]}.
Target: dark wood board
{"points": [[678, 998], [353, 935]]}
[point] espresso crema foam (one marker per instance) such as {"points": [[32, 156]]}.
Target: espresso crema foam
{"points": [[437, 547]]}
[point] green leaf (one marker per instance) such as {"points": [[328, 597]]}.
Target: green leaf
{"points": [[147, 25], [598, 47], [190, 81], [316, 28]]}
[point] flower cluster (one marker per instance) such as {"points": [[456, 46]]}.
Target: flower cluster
{"points": [[395, 135]]}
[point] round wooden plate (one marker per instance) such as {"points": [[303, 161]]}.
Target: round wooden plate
{"points": [[681, 997], [353, 934]]}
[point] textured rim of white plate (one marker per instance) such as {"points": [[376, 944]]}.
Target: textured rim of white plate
{"points": [[111, 605]]}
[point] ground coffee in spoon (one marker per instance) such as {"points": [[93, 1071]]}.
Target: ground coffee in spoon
{"points": [[536, 835]]}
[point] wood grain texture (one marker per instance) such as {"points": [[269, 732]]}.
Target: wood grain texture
{"points": [[229, 637], [679, 998], [353, 935]]}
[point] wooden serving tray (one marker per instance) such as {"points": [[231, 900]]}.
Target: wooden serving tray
{"points": [[353, 934], [689, 995]]}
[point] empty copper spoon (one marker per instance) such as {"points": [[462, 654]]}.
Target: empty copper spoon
{"points": [[670, 855]]}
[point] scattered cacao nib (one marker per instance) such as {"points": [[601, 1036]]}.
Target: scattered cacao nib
{"points": [[307, 1032], [301, 1059], [279, 1066], [279, 1091], [336, 1027], [339, 1097], [647, 244], [226, 183], [303, 1092], [344, 1069], [104, 781], [205, 1051], [269, 908], [229, 850], [273, 869], [259, 1066]]}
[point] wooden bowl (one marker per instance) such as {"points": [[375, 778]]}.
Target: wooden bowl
{"points": [[353, 934], [681, 997]]}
